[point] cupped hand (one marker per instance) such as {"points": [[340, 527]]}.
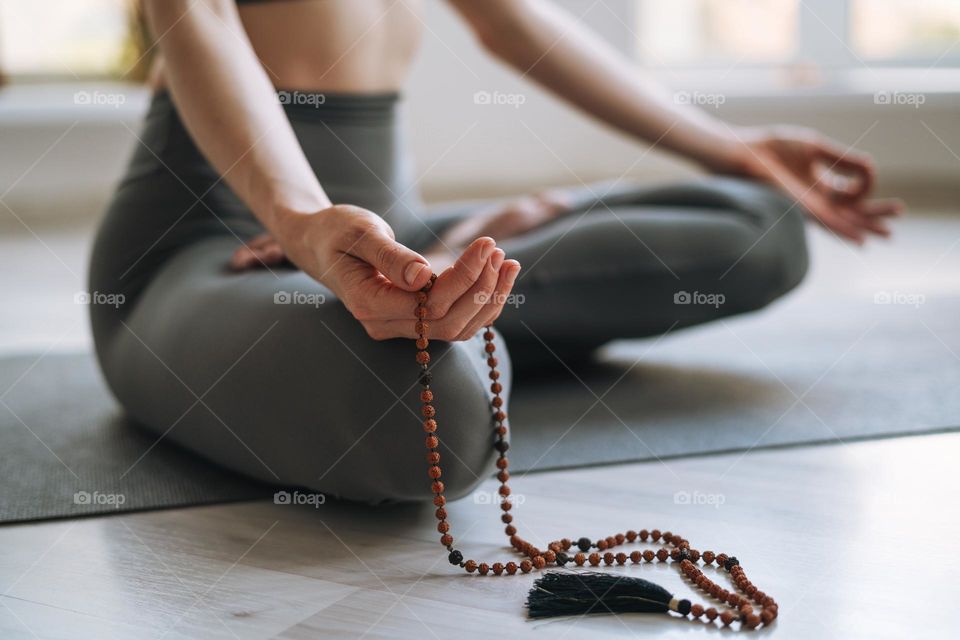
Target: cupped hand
{"points": [[354, 253], [831, 182]]}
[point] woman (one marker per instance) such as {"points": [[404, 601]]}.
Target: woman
{"points": [[269, 249]]}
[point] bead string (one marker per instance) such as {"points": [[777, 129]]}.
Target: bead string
{"points": [[675, 548]]}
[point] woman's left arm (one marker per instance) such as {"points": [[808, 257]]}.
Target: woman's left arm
{"points": [[550, 46]]}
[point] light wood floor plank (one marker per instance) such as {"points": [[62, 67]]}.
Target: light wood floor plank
{"points": [[853, 540]]}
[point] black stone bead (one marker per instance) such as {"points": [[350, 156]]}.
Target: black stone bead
{"points": [[455, 557], [683, 607], [426, 378], [501, 446], [584, 544], [684, 555], [731, 563], [562, 558]]}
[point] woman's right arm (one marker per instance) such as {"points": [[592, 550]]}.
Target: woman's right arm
{"points": [[231, 109], [229, 106]]}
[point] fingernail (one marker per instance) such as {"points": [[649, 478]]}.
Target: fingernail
{"points": [[514, 274], [497, 259], [413, 271], [487, 250]]}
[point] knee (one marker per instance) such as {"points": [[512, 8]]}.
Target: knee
{"points": [[394, 454], [462, 397], [776, 260]]}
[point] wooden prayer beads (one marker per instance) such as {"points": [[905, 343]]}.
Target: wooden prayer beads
{"points": [[674, 548]]}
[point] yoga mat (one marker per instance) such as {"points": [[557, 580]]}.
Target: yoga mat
{"points": [[834, 371], [68, 451], [808, 371]]}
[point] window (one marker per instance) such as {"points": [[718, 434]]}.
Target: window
{"points": [[826, 33], [690, 32], [69, 39], [922, 32]]}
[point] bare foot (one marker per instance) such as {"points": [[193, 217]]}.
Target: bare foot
{"points": [[260, 252], [506, 220], [500, 221]]}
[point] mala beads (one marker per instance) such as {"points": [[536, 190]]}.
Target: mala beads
{"points": [[582, 552]]}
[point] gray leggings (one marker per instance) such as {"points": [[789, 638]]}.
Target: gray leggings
{"points": [[266, 373]]}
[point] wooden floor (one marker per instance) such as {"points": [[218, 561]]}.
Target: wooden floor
{"points": [[854, 540]]}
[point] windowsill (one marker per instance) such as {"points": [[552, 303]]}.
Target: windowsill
{"points": [[107, 102], [104, 102], [789, 84]]}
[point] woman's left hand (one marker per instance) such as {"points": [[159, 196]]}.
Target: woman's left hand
{"points": [[832, 183]]}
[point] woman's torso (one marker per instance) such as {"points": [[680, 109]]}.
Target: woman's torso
{"points": [[343, 46], [353, 54]]}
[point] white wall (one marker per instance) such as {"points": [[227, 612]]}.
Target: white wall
{"points": [[467, 149], [544, 141]]}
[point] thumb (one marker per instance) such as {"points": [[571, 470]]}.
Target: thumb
{"points": [[404, 267]]}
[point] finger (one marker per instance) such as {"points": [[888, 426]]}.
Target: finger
{"points": [[872, 224], [841, 227], [388, 329], [456, 281], [492, 311], [489, 305], [882, 207], [465, 309], [404, 267], [828, 215], [854, 164], [820, 208], [368, 294]]}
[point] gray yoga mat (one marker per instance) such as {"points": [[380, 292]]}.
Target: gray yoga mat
{"points": [[835, 371]]}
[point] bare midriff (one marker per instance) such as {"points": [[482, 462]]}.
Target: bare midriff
{"points": [[343, 46]]}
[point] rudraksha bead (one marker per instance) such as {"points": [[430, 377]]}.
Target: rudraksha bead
{"points": [[681, 553]]}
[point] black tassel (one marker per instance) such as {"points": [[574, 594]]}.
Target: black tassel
{"points": [[573, 593]]}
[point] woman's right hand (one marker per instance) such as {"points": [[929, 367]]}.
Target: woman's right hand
{"points": [[354, 253]]}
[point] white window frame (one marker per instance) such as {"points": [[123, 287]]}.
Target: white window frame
{"points": [[824, 39]]}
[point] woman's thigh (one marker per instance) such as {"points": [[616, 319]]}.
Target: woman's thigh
{"points": [[265, 372], [632, 262]]}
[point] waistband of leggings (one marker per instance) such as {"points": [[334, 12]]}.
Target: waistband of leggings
{"points": [[360, 108]]}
